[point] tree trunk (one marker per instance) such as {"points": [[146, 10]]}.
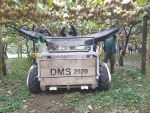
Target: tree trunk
{"points": [[5, 51], [3, 61], [21, 50], [0, 51], [121, 60], [144, 37], [123, 52], [28, 54], [121, 57], [18, 49], [148, 57], [117, 50], [127, 34], [124, 49]]}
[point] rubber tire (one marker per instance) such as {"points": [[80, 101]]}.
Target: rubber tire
{"points": [[34, 84], [103, 82]]}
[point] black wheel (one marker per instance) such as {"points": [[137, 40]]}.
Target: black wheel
{"points": [[103, 82], [33, 83]]}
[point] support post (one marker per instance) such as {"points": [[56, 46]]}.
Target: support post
{"points": [[144, 38], [0, 51], [117, 50], [3, 61], [148, 57], [18, 49]]}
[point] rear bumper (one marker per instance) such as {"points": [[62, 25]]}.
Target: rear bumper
{"points": [[68, 82]]}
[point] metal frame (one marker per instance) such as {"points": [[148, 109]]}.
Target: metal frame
{"points": [[41, 56], [88, 40], [46, 53]]}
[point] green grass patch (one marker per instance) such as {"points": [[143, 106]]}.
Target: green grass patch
{"points": [[13, 88], [129, 91]]}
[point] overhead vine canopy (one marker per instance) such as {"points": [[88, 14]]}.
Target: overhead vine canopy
{"points": [[97, 11]]}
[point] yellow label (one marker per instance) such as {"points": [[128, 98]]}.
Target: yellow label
{"points": [[9, 0], [34, 54], [100, 52]]}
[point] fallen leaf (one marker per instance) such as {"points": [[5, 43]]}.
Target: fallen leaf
{"points": [[99, 107], [140, 85], [24, 100], [90, 107], [143, 96], [25, 107], [112, 85], [137, 111], [86, 112], [17, 84], [139, 78], [60, 105], [32, 111], [31, 100], [96, 108], [9, 92], [57, 103], [108, 103]]}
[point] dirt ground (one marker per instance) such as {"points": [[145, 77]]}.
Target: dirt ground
{"points": [[52, 101], [45, 101]]}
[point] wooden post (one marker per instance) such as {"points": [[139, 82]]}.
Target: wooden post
{"points": [[18, 49], [144, 38], [148, 57], [3, 62], [117, 50], [21, 50], [0, 52]]}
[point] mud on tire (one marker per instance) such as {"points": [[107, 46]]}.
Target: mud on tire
{"points": [[34, 84], [103, 82]]}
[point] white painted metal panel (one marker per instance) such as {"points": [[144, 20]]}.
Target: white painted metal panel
{"points": [[67, 67]]}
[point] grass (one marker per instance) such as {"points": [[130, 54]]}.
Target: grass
{"points": [[129, 91], [124, 94], [13, 89]]}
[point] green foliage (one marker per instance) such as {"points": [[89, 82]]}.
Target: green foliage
{"points": [[141, 1], [50, 4], [16, 3], [82, 4], [68, 4], [15, 81], [95, 2], [12, 48], [126, 93], [129, 91], [98, 26]]}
